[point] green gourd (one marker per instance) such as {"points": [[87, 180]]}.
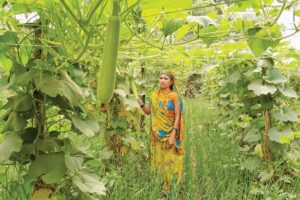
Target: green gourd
{"points": [[106, 75]]}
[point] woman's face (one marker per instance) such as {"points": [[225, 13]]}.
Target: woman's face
{"points": [[165, 82]]}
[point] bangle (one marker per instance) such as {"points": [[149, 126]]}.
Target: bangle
{"points": [[176, 130]]}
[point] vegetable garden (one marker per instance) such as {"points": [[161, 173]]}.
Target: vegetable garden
{"points": [[72, 74]]}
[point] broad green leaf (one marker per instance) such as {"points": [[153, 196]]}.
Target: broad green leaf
{"points": [[52, 89], [268, 2], [5, 64], [43, 194], [19, 8], [283, 136], [204, 21], [287, 114], [240, 24], [89, 183], [252, 136], [135, 145], [88, 126], [65, 86], [265, 63], [208, 35], [154, 9], [73, 162], [147, 4], [17, 69], [51, 167], [11, 143], [125, 33], [25, 50], [297, 134], [293, 154], [170, 26], [275, 76], [234, 77], [260, 39], [119, 124], [25, 78], [266, 174], [259, 88], [251, 164], [9, 39], [258, 150], [94, 163], [23, 103], [105, 154], [224, 95], [131, 103], [229, 47], [70, 89], [289, 92], [15, 122], [61, 102], [182, 31], [48, 144], [120, 92], [244, 4]]}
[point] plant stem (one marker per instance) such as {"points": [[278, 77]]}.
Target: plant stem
{"points": [[84, 47], [188, 41], [132, 31], [279, 14], [73, 16], [92, 11]]}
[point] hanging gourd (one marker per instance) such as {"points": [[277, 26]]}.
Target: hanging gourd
{"points": [[106, 75]]}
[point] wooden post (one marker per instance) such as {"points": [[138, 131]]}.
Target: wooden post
{"points": [[268, 124], [143, 98], [40, 111]]}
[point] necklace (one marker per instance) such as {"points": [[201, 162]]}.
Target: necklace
{"points": [[166, 92]]}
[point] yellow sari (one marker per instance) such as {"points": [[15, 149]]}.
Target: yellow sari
{"points": [[164, 160]]}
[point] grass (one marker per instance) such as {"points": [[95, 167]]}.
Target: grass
{"points": [[211, 169], [210, 172], [211, 165]]}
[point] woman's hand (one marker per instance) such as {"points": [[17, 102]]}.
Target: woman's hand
{"points": [[172, 139], [140, 101]]}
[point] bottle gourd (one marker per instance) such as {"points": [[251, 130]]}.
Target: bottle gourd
{"points": [[106, 75]]}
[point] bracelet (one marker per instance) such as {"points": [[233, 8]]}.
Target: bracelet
{"points": [[176, 130], [142, 105]]}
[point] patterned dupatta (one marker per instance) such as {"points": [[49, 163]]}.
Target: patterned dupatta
{"points": [[163, 114]]}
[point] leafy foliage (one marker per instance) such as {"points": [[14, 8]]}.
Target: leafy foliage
{"points": [[48, 66]]}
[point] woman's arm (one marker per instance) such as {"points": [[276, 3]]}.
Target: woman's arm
{"points": [[172, 139], [144, 107], [177, 113]]}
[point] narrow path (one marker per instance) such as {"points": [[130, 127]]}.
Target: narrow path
{"points": [[210, 169]]}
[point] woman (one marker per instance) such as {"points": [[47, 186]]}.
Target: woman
{"points": [[167, 130]]}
